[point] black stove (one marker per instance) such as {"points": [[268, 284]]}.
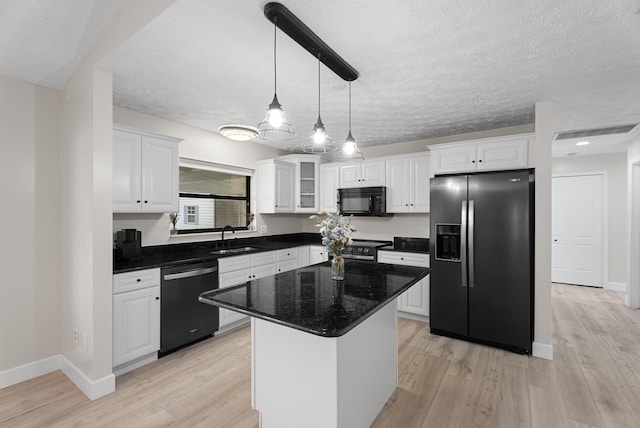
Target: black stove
{"points": [[364, 250]]}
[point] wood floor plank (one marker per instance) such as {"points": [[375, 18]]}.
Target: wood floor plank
{"points": [[594, 380]]}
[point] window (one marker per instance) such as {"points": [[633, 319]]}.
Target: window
{"points": [[212, 197], [191, 214]]}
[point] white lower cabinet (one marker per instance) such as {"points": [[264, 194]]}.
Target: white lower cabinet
{"points": [[416, 299], [238, 270], [136, 318], [287, 260], [318, 254]]}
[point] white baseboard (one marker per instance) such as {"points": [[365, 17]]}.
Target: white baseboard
{"points": [[413, 317], [542, 350], [93, 389], [132, 365], [616, 286], [29, 371]]}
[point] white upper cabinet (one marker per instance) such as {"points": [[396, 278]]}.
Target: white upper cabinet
{"points": [[329, 183], [306, 182], [367, 173], [145, 172], [275, 186], [407, 179], [490, 154]]}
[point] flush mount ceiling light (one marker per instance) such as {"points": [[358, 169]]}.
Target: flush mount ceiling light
{"points": [[275, 126], [350, 148], [238, 132], [319, 142]]}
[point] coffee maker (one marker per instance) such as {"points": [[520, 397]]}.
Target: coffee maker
{"points": [[129, 244]]}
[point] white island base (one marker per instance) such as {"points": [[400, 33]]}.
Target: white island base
{"points": [[303, 380]]}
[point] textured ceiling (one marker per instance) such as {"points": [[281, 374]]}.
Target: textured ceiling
{"points": [[44, 41], [427, 68]]}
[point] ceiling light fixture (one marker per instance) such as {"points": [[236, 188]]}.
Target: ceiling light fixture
{"points": [[300, 33], [238, 132], [275, 126], [350, 148], [582, 143], [319, 142]]}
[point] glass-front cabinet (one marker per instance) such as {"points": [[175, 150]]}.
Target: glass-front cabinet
{"points": [[307, 183]]}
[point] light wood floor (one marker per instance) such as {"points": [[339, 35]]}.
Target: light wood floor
{"points": [[594, 380]]}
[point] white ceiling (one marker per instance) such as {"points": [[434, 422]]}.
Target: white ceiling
{"points": [[427, 68]]}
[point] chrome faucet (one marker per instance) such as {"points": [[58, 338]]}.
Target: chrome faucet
{"points": [[227, 227]]}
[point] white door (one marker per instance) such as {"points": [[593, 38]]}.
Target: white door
{"points": [[577, 225]]}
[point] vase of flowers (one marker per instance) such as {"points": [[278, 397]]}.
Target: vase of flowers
{"points": [[173, 219], [335, 235]]}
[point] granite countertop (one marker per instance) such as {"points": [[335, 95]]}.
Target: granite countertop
{"points": [[408, 245], [307, 299], [176, 254]]}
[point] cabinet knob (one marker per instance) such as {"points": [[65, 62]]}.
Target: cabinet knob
{"points": [[480, 160], [406, 205], [146, 202], [473, 161], [157, 298], [138, 280], [138, 201], [411, 204]]}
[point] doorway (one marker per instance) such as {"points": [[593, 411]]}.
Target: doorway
{"points": [[632, 298], [578, 229]]}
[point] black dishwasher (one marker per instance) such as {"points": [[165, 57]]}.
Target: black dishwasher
{"points": [[183, 319]]}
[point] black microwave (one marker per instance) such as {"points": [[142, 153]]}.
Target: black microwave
{"points": [[363, 201]]}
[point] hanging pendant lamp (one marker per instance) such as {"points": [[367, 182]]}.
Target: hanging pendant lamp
{"points": [[350, 148], [275, 126], [319, 142]]}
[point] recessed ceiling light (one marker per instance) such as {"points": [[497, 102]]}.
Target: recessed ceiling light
{"points": [[238, 132], [582, 143]]}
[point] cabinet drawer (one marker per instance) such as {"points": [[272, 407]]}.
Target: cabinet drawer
{"points": [[402, 258], [229, 279], [136, 280], [287, 265], [287, 254], [228, 264], [260, 259]]}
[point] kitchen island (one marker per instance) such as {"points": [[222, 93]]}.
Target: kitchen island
{"points": [[324, 352]]}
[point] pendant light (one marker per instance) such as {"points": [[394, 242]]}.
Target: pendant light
{"points": [[350, 148], [275, 126], [319, 142]]}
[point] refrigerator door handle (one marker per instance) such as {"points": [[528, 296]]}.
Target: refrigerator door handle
{"points": [[463, 243], [471, 235]]}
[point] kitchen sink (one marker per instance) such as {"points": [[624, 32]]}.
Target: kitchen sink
{"points": [[234, 250]]}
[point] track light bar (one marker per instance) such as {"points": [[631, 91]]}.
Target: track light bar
{"points": [[299, 32]]}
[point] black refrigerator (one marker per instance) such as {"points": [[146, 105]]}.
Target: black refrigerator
{"points": [[481, 251]]}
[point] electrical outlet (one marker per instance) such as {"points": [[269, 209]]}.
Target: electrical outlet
{"points": [[264, 230], [75, 335]]}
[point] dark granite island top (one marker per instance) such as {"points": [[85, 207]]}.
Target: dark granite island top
{"points": [[307, 299]]}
